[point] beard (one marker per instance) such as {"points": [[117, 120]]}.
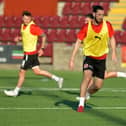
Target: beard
{"points": [[98, 21]]}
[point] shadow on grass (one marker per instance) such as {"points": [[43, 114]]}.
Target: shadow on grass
{"points": [[25, 93], [109, 117], [40, 93], [71, 104]]}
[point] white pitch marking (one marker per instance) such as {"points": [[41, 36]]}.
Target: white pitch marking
{"points": [[65, 89], [25, 108], [56, 108], [110, 108]]}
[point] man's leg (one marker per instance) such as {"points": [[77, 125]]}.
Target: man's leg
{"points": [[91, 82], [15, 92], [83, 89], [110, 74], [21, 78], [93, 88], [37, 71], [114, 74], [96, 86], [99, 72]]}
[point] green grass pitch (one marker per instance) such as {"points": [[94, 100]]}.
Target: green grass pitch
{"points": [[41, 103]]}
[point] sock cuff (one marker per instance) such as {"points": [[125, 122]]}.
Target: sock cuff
{"points": [[121, 74], [54, 77], [17, 89], [82, 98]]}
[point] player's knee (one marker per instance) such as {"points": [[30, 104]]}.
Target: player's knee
{"points": [[87, 79], [21, 73]]}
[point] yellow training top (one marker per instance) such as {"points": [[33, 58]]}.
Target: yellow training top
{"points": [[96, 44], [29, 40]]}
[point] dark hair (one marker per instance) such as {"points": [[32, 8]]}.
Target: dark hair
{"points": [[89, 15], [26, 13], [97, 7]]}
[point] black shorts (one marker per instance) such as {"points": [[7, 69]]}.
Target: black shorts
{"points": [[98, 67], [30, 61]]}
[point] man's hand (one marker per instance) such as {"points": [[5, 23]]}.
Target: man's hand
{"points": [[71, 64], [114, 58], [40, 52], [17, 39], [76, 47]]}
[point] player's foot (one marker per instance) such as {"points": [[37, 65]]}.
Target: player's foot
{"points": [[11, 93], [80, 109], [60, 82]]}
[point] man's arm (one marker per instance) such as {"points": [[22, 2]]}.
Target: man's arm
{"points": [[43, 40], [43, 43], [113, 46], [76, 47]]}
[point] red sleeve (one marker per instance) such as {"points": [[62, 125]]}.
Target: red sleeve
{"points": [[36, 30], [83, 32], [110, 29]]}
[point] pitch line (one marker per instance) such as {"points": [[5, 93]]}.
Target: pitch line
{"points": [[56, 108], [26, 108], [65, 89]]}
